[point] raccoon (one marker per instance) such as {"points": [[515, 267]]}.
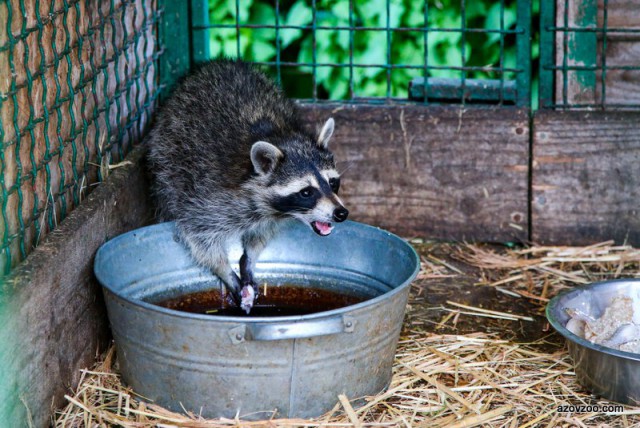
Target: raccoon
{"points": [[231, 160]]}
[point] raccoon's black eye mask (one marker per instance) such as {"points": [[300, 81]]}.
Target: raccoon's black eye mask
{"points": [[302, 201]]}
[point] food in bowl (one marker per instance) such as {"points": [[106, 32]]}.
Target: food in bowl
{"points": [[617, 328]]}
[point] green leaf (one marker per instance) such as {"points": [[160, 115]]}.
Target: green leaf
{"points": [[326, 40], [338, 88], [288, 36], [493, 21], [453, 57], [305, 56], [322, 74], [535, 50], [239, 10], [400, 81], [373, 88], [415, 15], [376, 50], [409, 54], [370, 10], [396, 10], [342, 39], [262, 51], [219, 13], [223, 42], [215, 47], [299, 14], [263, 13], [229, 47], [341, 11], [475, 8]]}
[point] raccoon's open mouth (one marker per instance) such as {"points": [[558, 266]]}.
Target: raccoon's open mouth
{"points": [[321, 228]]}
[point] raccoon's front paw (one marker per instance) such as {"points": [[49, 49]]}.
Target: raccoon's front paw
{"points": [[248, 296]]}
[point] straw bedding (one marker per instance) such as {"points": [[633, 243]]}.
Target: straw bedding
{"points": [[463, 379]]}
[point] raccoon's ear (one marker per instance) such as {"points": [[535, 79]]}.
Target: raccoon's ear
{"points": [[265, 157], [325, 133]]}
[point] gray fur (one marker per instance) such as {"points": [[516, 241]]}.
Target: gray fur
{"points": [[225, 138]]}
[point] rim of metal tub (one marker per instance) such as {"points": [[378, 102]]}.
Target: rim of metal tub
{"points": [[99, 267]]}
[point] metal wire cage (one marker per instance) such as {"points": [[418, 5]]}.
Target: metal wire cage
{"points": [[388, 50], [589, 55], [77, 87]]}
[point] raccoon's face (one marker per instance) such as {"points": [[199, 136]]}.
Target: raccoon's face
{"points": [[312, 199], [304, 183]]}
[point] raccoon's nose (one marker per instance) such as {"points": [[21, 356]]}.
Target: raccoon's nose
{"points": [[340, 214]]}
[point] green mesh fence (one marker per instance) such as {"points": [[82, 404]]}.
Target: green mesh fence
{"points": [[388, 50], [77, 87], [589, 54]]}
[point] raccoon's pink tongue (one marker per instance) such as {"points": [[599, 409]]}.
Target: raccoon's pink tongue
{"points": [[323, 228]]}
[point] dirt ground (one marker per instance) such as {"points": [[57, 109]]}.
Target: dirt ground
{"points": [[429, 298]]}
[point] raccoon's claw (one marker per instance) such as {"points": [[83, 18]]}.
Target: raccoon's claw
{"points": [[248, 297], [235, 296]]}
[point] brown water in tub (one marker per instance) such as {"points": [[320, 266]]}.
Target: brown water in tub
{"points": [[278, 301]]}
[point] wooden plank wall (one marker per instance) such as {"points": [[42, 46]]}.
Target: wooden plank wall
{"points": [[586, 177], [439, 172]]}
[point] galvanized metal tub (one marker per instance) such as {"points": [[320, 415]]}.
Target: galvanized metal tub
{"points": [[607, 372], [222, 366]]}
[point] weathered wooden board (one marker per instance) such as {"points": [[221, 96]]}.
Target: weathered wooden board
{"points": [[586, 177], [51, 310], [620, 14], [440, 172], [621, 87]]}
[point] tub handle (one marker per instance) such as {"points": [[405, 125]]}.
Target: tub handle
{"points": [[292, 329]]}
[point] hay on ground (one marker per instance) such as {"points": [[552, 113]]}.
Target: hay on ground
{"points": [[439, 381], [539, 273]]}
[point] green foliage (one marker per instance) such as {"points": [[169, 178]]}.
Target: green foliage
{"points": [[378, 47]]}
